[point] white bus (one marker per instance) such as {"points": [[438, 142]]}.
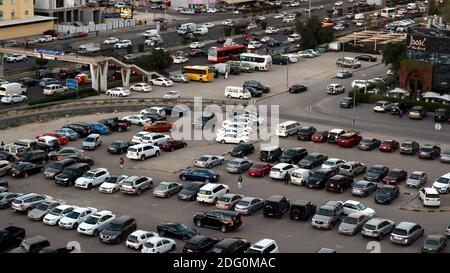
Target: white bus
{"points": [[388, 12], [287, 128], [256, 61]]}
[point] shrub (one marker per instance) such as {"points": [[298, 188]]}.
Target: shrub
{"points": [[129, 49], [141, 47], [227, 31]]}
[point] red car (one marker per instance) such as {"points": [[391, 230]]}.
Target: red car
{"points": [[159, 126], [80, 34], [349, 140], [172, 145], [389, 146], [63, 140], [395, 176], [320, 136], [259, 169]]}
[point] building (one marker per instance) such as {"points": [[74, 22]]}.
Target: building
{"points": [[192, 4], [68, 11], [427, 67], [17, 19]]}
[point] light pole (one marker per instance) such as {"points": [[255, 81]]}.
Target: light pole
{"points": [[309, 10]]}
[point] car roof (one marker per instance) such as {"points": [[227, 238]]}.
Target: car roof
{"points": [[301, 202], [103, 212], [431, 191], [417, 172], [376, 221], [211, 186], [35, 239], [93, 135], [263, 243], [353, 202], [281, 165], [275, 198], [98, 170], [336, 130], [405, 225]]}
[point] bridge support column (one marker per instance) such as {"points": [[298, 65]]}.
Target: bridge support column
{"points": [[1, 65], [103, 69], [95, 73], [126, 73]]}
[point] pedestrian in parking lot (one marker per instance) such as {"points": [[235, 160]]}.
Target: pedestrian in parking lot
{"points": [[400, 114], [239, 183], [3, 144], [286, 179], [121, 162]]}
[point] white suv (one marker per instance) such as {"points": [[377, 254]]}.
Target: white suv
{"points": [[137, 138], [54, 89], [142, 151], [211, 192], [154, 138], [95, 223], [282, 171], [430, 197], [92, 178], [442, 184], [264, 246], [75, 217]]}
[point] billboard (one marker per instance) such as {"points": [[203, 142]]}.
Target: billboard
{"points": [[126, 13]]}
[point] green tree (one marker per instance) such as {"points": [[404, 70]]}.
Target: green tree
{"points": [[156, 60], [312, 33], [433, 8], [227, 31], [445, 12], [129, 49], [393, 54], [41, 61]]}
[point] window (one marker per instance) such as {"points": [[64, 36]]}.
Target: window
{"points": [[27, 12], [13, 14]]}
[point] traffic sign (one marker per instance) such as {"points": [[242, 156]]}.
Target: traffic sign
{"points": [[72, 84]]}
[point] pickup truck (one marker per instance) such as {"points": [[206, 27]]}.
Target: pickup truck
{"points": [[11, 237], [116, 124]]}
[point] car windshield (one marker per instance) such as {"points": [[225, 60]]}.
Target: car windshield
{"points": [[162, 186], [205, 192], [149, 245], [258, 166], [244, 203], [309, 158], [387, 142], [432, 242], [432, 195], [384, 191], [446, 153], [56, 165], [73, 215], [181, 227], [112, 179], [375, 170], [225, 199], [234, 163], [317, 175], [351, 220], [426, 149], [401, 232], [89, 175], [89, 139], [114, 227], [92, 220], [68, 172], [329, 163], [325, 212], [345, 167], [414, 176], [359, 186], [116, 144], [133, 150], [370, 227], [407, 145], [443, 180], [56, 212], [361, 206], [367, 141], [290, 152], [393, 174], [43, 206]]}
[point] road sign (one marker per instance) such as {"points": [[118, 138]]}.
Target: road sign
{"points": [[437, 126], [72, 84]]}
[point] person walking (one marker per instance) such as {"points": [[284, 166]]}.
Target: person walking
{"points": [[286, 179], [400, 114], [3, 144], [121, 162], [239, 183]]}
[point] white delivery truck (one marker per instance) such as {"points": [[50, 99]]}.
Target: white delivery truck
{"points": [[151, 33], [186, 28], [201, 31], [13, 88], [88, 48]]}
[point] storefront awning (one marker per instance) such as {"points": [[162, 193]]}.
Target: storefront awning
{"points": [[434, 95]]}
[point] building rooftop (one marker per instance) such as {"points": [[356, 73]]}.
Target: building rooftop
{"points": [[431, 32]]}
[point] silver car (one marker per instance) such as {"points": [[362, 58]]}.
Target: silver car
{"points": [[328, 215], [406, 233], [364, 188], [353, 223], [249, 205], [136, 184], [238, 165], [208, 161], [352, 168], [167, 189], [42, 209], [28, 201], [445, 156], [5, 167], [416, 179], [377, 228]]}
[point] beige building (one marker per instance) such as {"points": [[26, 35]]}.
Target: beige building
{"points": [[17, 19]]}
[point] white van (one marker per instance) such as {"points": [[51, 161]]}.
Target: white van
{"points": [[151, 33], [287, 128], [237, 92], [186, 28], [201, 31], [359, 16], [13, 88], [211, 192], [54, 89], [298, 176]]}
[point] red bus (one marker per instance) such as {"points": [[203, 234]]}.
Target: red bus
{"points": [[226, 53]]}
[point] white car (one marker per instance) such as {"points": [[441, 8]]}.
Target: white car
{"points": [[282, 171], [154, 109], [271, 30], [15, 58], [96, 222], [351, 206], [137, 138], [237, 126], [254, 45], [77, 216], [360, 83], [118, 92], [154, 139], [289, 19], [92, 178], [172, 95], [338, 4], [228, 22], [208, 161], [211, 10], [112, 184], [279, 16], [232, 138], [161, 81], [430, 197], [137, 239], [382, 106], [208, 25], [265, 39], [333, 163], [137, 119], [180, 60], [123, 44], [294, 4], [46, 38], [252, 26], [225, 130], [158, 245], [52, 218], [442, 184], [111, 41], [197, 45], [141, 87], [11, 99], [294, 37]]}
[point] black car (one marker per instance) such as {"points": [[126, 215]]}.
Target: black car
{"points": [[68, 176], [202, 121], [83, 131], [29, 81], [242, 150], [434, 244], [220, 219], [347, 103], [6, 199], [293, 155], [312, 160], [297, 88], [24, 169], [115, 124], [339, 183], [441, 114], [306, 132], [278, 59], [376, 173], [119, 147], [199, 244], [368, 144], [276, 206], [82, 159], [36, 156], [4, 184], [318, 179], [257, 85], [199, 174], [397, 107], [386, 194], [189, 192], [230, 246], [56, 167], [118, 229], [366, 57], [180, 231], [302, 210]]}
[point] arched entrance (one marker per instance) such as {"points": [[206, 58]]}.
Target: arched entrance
{"points": [[415, 83]]}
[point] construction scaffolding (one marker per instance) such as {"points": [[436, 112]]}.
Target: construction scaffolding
{"points": [[372, 39]]}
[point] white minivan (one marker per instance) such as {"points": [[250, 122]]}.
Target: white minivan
{"points": [[298, 176], [211, 192], [287, 128], [237, 92], [53, 89], [13, 88]]}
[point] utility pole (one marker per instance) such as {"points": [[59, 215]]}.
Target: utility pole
{"points": [[309, 10]]}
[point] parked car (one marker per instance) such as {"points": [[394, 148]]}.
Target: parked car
{"points": [[248, 205], [11, 237], [70, 174], [218, 219], [349, 139], [430, 197], [96, 222], [189, 192], [158, 244], [353, 223], [429, 151], [276, 206], [389, 146], [56, 167], [312, 160], [338, 183], [136, 184], [138, 237], [199, 244], [434, 244], [243, 149], [356, 206], [52, 218], [27, 202], [320, 136], [228, 201], [199, 174], [92, 141], [167, 189], [445, 156], [382, 106], [118, 229], [293, 155], [209, 161], [6, 199], [238, 165], [119, 147], [366, 57], [41, 209], [328, 215], [92, 178], [25, 169], [230, 246], [417, 112], [364, 188], [177, 230], [395, 176], [32, 245], [386, 194], [441, 114], [302, 210], [409, 147], [406, 233], [306, 132], [112, 184], [377, 228], [368, 144]]}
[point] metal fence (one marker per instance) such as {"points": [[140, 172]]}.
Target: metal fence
{"points": [[96, 27]]}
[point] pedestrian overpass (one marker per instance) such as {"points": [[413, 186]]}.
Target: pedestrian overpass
{"points": [[98, 66]]}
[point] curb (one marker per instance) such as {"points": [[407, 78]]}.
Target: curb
{"points": [[425, 210]]}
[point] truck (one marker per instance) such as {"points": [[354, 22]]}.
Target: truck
{"points": [[222, 68], [334, 46], [186, 28], [88, 48], [11, 237], [201, 31]]}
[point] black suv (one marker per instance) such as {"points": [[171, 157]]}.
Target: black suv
{"points": [[271, 154], [302, 210], [57, 167], [280, 60], [441, 114], [312, 160], [257, 85], [305, 133], [71, 173], [36, 156], [242, 150], [293, 155], [199, 244], [230, 245], [220, 219], [317, 179], [81, 129], [339, 183], [276, 206], [118, 230]]}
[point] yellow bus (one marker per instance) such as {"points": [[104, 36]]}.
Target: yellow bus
{"points": [[198, 73]]}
